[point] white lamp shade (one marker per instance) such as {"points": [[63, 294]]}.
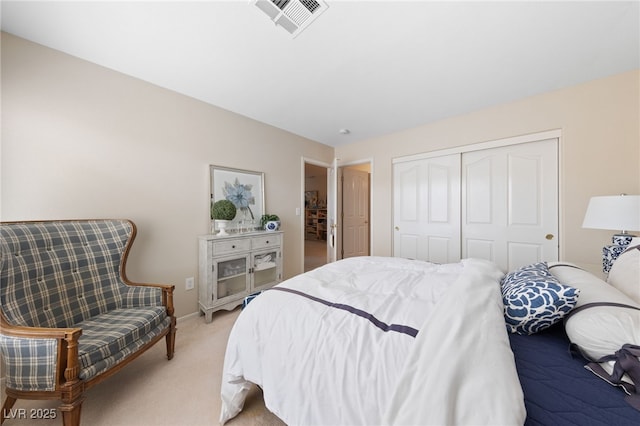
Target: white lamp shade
{"points": [[613, 212]]}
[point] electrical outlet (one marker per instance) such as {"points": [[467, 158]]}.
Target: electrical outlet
{"points": [[189, 283]]}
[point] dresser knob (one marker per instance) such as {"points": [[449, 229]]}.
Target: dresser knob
{"points": [[233, 246]]}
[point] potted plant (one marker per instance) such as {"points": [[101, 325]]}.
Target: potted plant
{"points": [[223, 211], [270, 222]]}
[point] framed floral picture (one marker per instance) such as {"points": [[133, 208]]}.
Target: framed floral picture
{"points": [[245, 189]]}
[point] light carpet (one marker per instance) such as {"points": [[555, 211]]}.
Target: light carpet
{"points": [[315, 254], [154, 391]]}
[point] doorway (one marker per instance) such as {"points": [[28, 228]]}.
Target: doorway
{"points": [[315, 216], [336, 217]]}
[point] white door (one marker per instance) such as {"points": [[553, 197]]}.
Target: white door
{"points": [[355, 213], [427, 209], [510, 204]]}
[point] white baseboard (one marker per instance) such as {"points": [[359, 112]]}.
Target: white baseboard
{"points": [[188, 316]]}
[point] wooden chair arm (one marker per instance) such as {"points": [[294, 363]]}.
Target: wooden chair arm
{"points": [[70, 334]]}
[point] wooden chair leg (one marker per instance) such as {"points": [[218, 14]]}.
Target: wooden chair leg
{"points": [[171, 339], [6, 408], [71, 412]]}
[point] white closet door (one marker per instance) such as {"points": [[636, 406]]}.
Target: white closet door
{"points": [[510, 204], [427, 209]]}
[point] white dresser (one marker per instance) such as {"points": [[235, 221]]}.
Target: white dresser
{"points": [[234, 266]]}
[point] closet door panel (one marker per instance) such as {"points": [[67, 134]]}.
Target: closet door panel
{"points": [[407, 192], [522, 253], [525, 190], [522, 187], [427, 209], [532, 226], [483, 208], [438, 204], [479, 197], [409, 243], [439, 249], [479, 249]]}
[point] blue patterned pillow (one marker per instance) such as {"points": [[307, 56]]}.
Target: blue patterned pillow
{"points": [[534, 299], [540, 269]]}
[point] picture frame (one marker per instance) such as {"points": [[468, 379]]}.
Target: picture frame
{"points": [[245, 189]]}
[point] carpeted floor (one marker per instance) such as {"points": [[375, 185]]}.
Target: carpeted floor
{"points": [[315, 254], [153, 391]]}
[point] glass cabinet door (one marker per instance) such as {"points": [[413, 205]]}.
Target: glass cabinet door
{"points": [[232, 277], [265, 268]]}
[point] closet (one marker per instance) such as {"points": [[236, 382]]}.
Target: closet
{"points": [[496, 203]]}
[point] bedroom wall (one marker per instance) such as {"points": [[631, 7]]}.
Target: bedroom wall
{"points": [[83, 141], [600, 153]]}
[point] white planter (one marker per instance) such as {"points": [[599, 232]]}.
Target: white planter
{"points": [[222, 226]]}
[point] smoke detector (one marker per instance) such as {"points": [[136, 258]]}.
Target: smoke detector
{"points": [[292, 15]]}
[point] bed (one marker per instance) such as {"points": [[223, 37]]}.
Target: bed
{"points": [[377, 340]]}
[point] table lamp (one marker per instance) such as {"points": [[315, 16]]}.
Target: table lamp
{"points": [[615, 212]]}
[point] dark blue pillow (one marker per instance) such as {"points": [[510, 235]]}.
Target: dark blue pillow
{"points": [[534, 299]]}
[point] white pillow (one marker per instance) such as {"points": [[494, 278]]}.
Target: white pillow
{"points": [[625, 273], [602, 330]]}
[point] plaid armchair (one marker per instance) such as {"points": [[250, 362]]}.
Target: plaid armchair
{"points": [[69, 316]]}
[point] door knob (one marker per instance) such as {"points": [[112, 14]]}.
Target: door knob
{"points": [[397, 228], [549, 236]]}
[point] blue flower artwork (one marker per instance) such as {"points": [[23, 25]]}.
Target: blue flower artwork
{"points": [[240, 195]]}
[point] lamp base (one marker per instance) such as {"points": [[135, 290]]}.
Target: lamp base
{"points": [[610, 253]]}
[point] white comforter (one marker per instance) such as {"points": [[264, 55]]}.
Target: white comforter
{"points": [[358, 362]]}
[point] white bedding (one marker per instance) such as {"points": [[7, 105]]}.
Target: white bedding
{"points": [[333, 365]]}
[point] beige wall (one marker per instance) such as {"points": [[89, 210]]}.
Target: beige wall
{"points": [[82, 141], [600, 153]]}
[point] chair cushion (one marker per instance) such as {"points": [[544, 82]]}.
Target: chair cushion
{"points": [[105, 335], [104, 365]]}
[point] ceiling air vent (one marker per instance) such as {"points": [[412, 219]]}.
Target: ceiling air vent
{"points": [[292, 15]]}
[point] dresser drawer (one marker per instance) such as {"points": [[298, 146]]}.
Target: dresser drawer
{"points": [[265, 241], [233, 246]]}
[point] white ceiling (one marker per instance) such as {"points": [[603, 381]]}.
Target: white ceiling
{"points": [[373, 67]]}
